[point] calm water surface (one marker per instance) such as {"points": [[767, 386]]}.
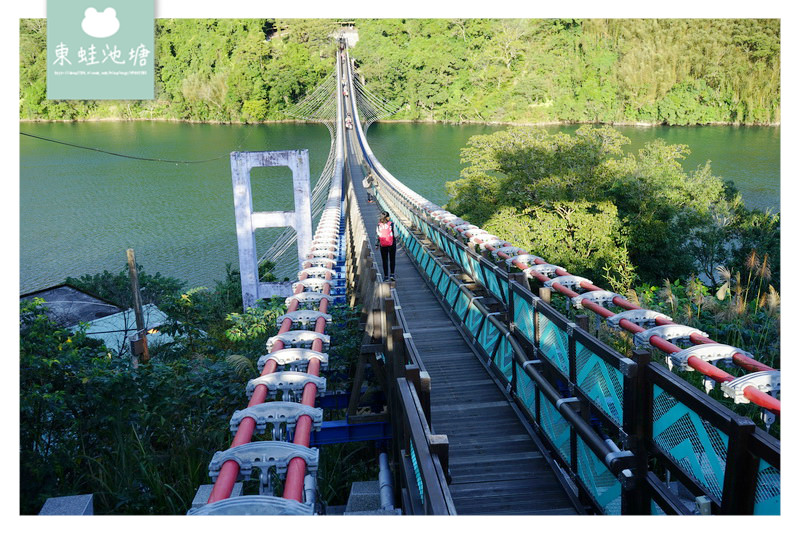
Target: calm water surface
{"points": [[80, 210]]}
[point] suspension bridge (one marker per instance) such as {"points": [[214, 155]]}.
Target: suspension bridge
{"points": [[500, 396]]}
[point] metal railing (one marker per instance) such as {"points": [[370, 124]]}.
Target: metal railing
{"points": [[591, 404]]}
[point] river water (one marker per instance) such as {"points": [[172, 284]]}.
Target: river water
{"points": [[80, 210]]}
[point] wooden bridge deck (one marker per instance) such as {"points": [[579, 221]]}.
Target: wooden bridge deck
{"points": [[496, 464]]}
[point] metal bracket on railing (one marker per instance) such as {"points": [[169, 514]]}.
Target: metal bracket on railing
{"points": [[276, 414], [640, 317], [572, 402], [766, 381], [320, 261], [475, 232], [710, 353], [544, 268], [446, 219], [325, 246], [320, 253], [294, 358], [668, 332], [465, 227], [604, 298], [508, 250], [253, 505], [536, 362], [492, 242], [309, 298], [484, 237], [264, 455], [312, 284], [304, 317], [570, 282], [287, 381], [299, 339], [317, 272], [524, 258]]}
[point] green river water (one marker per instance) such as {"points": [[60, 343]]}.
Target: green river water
{"points": [[80, 210]]}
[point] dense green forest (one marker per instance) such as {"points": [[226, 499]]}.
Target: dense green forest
{"points": [[670, 71], [140, 438]]}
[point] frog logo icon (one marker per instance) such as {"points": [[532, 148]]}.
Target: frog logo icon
{"points": [[100, 25]]}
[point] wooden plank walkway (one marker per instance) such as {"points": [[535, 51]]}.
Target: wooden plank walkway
{"points": [[495, 464]]}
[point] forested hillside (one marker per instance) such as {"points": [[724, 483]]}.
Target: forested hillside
{"points": [[228, 70], [670, 71]]}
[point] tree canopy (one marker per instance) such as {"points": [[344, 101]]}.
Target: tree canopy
{"points": [[670, 71]]}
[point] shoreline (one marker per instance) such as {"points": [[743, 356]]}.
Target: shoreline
{"points": [[408, 121]]}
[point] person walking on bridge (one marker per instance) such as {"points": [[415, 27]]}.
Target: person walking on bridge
{"points": [[388, 245]]}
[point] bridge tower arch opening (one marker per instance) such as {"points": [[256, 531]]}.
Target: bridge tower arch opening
{"points": [[248, 221]]}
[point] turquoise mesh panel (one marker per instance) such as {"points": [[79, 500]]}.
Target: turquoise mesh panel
{"points": [[601, 382], [491, 282], [526, 390], [451, 249], [462, 260], [476, 270], [554, 343], [444, 283], [602, 484], [523, 318], [768, 490], [503, 359], [655, 509], [430, 266], [437, 275], [555, 428], [503, 284], [473, 319], [461, 304], [452, 294], [417, 473], [488, 337], [692, 442]]}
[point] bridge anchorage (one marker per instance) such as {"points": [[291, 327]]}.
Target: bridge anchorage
{"points": [[498, 400]]}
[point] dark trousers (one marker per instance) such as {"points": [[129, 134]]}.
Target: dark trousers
{"points": [[387, 257]]}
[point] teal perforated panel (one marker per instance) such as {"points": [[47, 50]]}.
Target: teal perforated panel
{"points": [[697, 446], [417, 473], [768, 490], [601, 382], [600, 482], [491, 283], [523, 318], [436, 277], [503, 284], [473, 319], [503, 359], [444, 283], [488, 337], [452, 294], [554, 343], [526, 390], [462, 260], [461, 304], [555, 428]]}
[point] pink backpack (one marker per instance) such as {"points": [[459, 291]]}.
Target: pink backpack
{"points": [[385, 237]]}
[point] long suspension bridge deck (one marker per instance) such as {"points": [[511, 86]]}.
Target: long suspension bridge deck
{"points": [[489, 476]]}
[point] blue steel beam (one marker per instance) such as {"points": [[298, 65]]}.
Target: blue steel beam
{"points": [[338, 431]]}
